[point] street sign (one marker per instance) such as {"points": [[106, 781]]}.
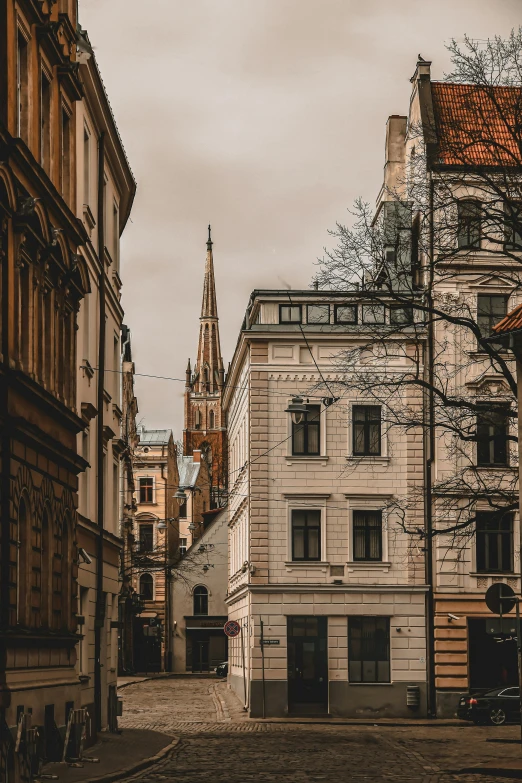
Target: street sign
{"points": [[231, 628], [500, 598], [505, 627], [271, 641]]}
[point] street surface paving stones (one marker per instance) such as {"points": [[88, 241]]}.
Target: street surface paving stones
{"points": [[219, 742]]}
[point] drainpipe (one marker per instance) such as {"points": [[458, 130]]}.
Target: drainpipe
{"points": [[167, 658], [100, 604], [430, 449]]}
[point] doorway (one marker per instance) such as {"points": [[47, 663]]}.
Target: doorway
{"points": [[200, 657], [307, 664], [492, 659]]}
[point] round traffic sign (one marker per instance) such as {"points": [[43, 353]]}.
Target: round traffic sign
{"points": [[500, 598], [232, 628]]}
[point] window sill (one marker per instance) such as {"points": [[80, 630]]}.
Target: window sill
{"points": [[495, 467], [371, 684], [496, 574], [382, 460], [305, 458], [366, 565], [307, 564]]}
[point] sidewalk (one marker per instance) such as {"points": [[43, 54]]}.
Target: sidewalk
{"points": [[120, 755]]}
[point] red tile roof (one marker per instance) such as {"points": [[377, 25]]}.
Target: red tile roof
{"points": [[478, 126], [511, 323]]}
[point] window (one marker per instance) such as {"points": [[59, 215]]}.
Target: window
{"points": [[469, 223], [147, 587], [211, 420], [513, 225], [22, 81], [45, 122], [306, 435], [306, 535], [197, 420], [200, 600], [492, 437], [367, 535], [147, 490], [494, 542], [65, 155], [401, 315], [86, 166], [115, 233], [369, 649], [491, 309], [318, 314], [183, 509], [182, 547], [373, 314], [366, 424], [146, 538], [290, 314], [346, 314]]}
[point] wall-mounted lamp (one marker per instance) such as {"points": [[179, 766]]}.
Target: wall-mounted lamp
{"points": [[298, 409]]}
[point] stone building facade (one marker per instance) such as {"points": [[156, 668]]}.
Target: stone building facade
{"points": [[156, 541], [329, 591], [43, 280], [104, 193]]}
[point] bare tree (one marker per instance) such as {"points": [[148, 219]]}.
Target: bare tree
{"points": [[434, 267]]}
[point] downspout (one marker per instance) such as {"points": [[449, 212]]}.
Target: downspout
{"points": [[430, 456], [100, 604], [167, 658]]}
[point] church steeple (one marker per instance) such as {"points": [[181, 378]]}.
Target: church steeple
{"points": [[209, 367], [204, 421]]}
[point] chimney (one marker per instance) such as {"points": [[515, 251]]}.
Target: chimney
{"points": [[394, 153], [422, 70], [196, 455]]}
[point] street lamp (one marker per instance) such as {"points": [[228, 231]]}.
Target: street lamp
{"points": [[181, 495], [298, 409]]}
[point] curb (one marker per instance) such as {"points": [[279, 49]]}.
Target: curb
{"points": [[144, 679], [498, 772], [134, 768], [365, 722]]}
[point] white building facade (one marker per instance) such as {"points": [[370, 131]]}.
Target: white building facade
{"points": [[328, 589]]}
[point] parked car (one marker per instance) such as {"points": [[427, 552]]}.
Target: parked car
{"points": [[222, 669], [498, 706]]}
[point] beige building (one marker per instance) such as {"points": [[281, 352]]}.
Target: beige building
{"points": [[104, 193], [199, 587], [329, 591], [155, 544]]}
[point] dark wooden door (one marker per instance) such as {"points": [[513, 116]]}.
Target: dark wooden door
{"points": [[307, 662]]}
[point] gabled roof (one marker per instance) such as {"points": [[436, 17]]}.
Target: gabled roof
{"points": [[477, 126], [511, 323], [154, 437]]}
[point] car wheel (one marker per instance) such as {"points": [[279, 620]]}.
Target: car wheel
{"points": [[497, 716]]}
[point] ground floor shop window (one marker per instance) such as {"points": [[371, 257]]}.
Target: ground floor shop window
{"points": [[492, 656], [369, 649]]}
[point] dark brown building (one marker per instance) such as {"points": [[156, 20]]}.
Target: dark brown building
{"points": [[42, 282]]}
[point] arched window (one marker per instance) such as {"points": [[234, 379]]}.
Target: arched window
{"points": [[200, 600], [147, 587], [197, 419], [211, 420]]}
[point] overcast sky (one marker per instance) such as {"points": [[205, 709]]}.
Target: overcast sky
{"points": [[265, 118]]}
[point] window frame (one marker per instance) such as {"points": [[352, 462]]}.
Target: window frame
{"points": [[306, 537], [367, 538], [304, 426], [283, 321], [146, 573], [484, 535], [366, 432], [200, 596], [491, 317], [465, 225], [321, 305], [145, 524], [369, 306], [492, 440], [513, 239], [353, 659], [337, 320], [152, 488], [405, 308]]}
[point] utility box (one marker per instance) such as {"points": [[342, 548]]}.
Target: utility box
{"points": [[413, 697]]}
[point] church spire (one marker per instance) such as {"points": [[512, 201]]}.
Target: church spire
{"points": [[209, 304], [209, 367]]}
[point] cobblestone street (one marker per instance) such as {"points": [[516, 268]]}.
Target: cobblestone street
{"points": [[218, 742]]}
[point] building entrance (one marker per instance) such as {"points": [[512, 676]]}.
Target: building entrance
{"points": [[307, 664], [492, 663]]}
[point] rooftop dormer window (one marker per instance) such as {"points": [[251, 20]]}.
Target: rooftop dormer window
{"points": [[290, 314], [318, 314]]}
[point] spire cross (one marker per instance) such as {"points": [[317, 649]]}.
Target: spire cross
{"points": [[209, 240]]}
